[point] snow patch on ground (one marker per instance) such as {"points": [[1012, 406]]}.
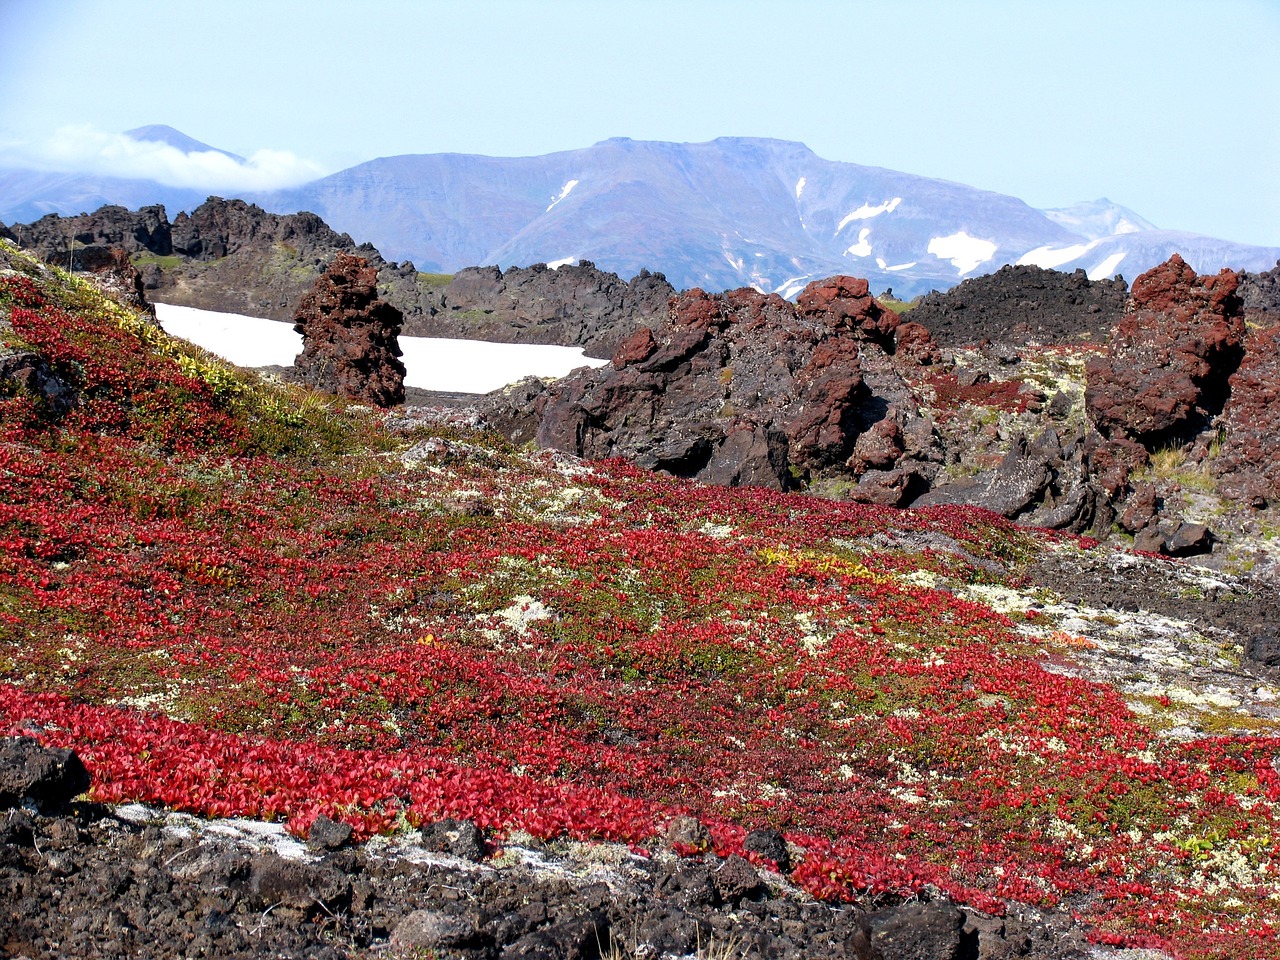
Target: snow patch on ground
{"points": [[564, 192], [800, 187], [964, 252], [1107, 268], [867, 211], [433, 363], [863, 247], [1050, 256]]}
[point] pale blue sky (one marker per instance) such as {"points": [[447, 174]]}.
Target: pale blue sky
{"points": [[1170, 107]]}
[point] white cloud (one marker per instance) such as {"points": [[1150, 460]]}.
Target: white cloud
{"points": [[85, 149]]}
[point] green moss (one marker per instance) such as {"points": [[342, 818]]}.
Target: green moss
{"points": [[435, 280], [164, 263]]}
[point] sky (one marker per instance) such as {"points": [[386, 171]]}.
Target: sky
{"points": [[1168, 107]]}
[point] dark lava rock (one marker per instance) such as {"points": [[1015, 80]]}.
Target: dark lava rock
{"points": [[461, 838], [574, 305], [327, 834], [1170, 357], [735, 879], [1023, 303], [735, 388], [1260, 295], [920, 931], [350, 336], [72, 242], [37, 777], [1264, 648], [771, 845]]}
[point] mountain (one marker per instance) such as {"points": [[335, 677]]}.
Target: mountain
{"points": [[163, 133], [728, 213]]}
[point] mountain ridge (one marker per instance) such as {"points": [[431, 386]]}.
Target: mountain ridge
{"points": [[729, 212]]}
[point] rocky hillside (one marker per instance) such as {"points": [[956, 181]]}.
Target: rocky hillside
{"points": [[232, 256], [802, 726], [1045, 397]]}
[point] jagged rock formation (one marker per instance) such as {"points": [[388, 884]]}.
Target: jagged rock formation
{"points": [[234, 257], [1248, 460], [1260, 294], [1166, 368], [575, 304], [735, 388], [1021, 304], [349, 336]]}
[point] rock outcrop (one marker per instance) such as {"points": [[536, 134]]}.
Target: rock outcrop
{"points": [[1249, 457], [113, 271], [1260, 295], [350, 336], [1023, 304], [1167, 366], [575, 304], [735, 388], [235, 257]]}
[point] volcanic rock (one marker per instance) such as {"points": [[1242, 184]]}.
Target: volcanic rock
{"points": [[573, 305], [38, 777], [113, 272], [1170, 357], [1248, 460], [350, 336], [67, 241], [735, 388], [1260, 295], [1023, 304]]}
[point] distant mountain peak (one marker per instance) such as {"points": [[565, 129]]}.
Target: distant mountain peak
{"points": [[163, 133]]}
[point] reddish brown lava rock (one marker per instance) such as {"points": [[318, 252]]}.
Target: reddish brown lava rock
{"points": [[846, 305], [1248, 460], [1169, 358], [735, 388], [350, 337], [830, 389], [914, 342], [636, 348]]}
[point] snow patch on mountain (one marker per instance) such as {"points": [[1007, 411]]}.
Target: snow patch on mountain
{"points": [[883, 265], [1048, 257], [966, 253], [863, 247], [564, 192], [867, 211], [562, 262], [800, 187], [1107, 267]]}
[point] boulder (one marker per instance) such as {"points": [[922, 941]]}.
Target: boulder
{"points": [[461, 838], [1170, 357], [350, 342], [40, 778]]}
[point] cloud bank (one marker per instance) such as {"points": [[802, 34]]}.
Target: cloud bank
{"points": [[85, 149]]}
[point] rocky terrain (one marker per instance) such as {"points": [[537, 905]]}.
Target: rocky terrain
{"points": [[1045, 397], [234, 257], [86, 880], [351, 682]]}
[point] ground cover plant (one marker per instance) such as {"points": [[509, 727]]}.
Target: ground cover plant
{"points": [[233, 599]]}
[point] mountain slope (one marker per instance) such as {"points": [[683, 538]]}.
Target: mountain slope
{"points": [[728, 213]]}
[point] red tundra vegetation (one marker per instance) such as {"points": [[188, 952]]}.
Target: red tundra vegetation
{"points": [[235, 598]]}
